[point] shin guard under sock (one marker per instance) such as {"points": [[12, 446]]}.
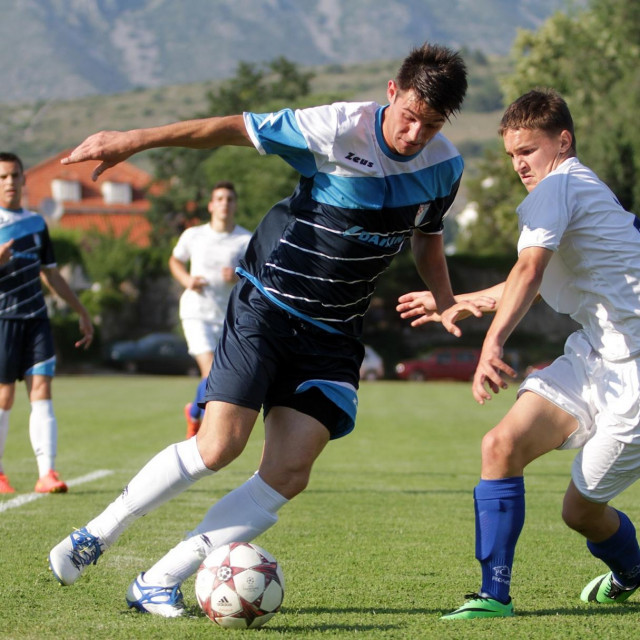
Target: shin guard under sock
{"points": [[499, 507]]}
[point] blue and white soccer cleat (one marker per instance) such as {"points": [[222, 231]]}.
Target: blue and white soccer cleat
{"points": [[69, 558], [165, 601]]}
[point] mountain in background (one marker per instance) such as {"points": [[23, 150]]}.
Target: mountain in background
{"points": [[62, 49]]}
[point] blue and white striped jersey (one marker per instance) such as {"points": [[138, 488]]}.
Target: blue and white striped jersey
{"points": [[319, 252], [21, 294]]}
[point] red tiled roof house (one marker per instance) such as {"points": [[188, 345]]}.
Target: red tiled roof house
{"points": [[67, 197]]}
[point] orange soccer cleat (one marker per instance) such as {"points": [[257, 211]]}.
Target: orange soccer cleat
{"points": [[192, 425], [5, 485], [50, 483]]}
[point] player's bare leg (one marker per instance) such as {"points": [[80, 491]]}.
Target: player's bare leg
{"points": [[531, 428]]}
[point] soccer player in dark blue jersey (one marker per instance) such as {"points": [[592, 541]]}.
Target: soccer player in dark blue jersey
{"points": [[26, 343], [372, 179]]}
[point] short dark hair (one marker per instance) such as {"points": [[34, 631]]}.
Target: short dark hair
{"points": [[224, 184], [7, 156], [437, 74], [544, 109]]}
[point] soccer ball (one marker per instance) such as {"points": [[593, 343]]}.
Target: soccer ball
{"points": [[240, 586]]}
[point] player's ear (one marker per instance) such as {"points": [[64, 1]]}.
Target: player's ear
{"points": [[566, 140], [392, 91]]}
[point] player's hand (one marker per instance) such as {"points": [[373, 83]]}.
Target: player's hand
{"points": [[459, 311], [420, 305], [86, 328], [197, 283], [489, 373], [110, 147], [6, 252]]}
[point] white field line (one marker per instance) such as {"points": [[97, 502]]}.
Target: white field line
{"points": [[30, 497]]}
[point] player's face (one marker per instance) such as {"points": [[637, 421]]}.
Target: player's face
{"points": [[535, 153], [222, 206], [408, 124], [11, 182]]}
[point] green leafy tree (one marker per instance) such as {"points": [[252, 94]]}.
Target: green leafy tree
{"points": [[494, 192], [592, 57]]}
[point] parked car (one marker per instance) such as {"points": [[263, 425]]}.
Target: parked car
{"points": [[372, 367], [443, 363], [163, 353]]}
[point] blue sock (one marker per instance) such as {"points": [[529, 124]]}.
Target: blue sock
{"points": [[196, 412], [620, 553], [499, 506]]}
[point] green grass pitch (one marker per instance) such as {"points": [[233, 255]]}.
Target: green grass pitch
{"points": [[379, 546]]}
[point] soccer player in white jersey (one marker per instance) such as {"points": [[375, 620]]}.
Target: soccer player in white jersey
{"points": [[26, 342], [373, 179], [212, 251], [581, 250]]}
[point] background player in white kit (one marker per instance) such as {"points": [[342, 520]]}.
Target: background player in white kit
{"points": [[581, 250], [212, 251]]}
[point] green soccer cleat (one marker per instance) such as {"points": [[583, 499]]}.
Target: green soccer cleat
{"points": [[605, 590], [478, 606]]}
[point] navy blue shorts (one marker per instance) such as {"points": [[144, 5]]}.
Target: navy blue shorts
{"points": [[27, 349], [268, 358]]}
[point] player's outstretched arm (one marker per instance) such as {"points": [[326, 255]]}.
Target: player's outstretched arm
{"points": [[112, 147]]}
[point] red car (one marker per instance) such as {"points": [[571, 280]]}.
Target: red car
{"points": [[443, 363]]}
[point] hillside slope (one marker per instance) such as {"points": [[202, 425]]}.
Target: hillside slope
{"points": [[62, 49]]}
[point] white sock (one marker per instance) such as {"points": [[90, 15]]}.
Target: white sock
{"points": [[165, 476], [240, 516], [4, 431], [43, 432]]}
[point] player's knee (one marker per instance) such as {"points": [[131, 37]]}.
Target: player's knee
{"points": [[217, 453], [497, 449], [575, 517]]}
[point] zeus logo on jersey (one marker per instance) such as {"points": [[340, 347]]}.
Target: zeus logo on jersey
{"points": [[354, 158], [373, 238]]}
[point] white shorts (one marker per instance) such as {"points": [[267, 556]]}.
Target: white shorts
{"points": [[604, 397], [201, 336], [605, 467]]}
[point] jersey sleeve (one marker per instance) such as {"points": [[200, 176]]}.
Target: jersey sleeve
{"points": [[544, 214], [182, 250], [298, 137]]}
